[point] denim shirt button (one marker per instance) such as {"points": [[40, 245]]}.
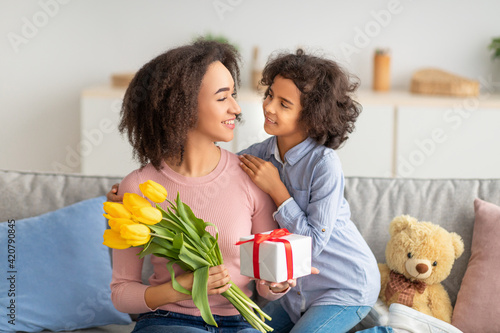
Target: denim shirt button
{"points": [[323, 230]]}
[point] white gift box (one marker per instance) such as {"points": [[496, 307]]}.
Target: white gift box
{"points": [[272, 258]]}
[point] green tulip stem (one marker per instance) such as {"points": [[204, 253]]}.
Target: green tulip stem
{"points": [[241, 302], [170, 239]]}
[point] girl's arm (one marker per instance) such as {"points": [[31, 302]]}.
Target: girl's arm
{"points": [[266, 177], [322, 203]]}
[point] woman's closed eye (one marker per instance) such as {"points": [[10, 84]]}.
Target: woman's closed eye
{"points": [[233, 95]]}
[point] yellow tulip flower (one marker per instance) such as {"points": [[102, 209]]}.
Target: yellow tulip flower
{"points": [[116, 223], [135, 234], [147, 215], [113, 240], [115, 209], [133, 200], [153, 191]]}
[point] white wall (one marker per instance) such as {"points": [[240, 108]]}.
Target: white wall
{"points": [[52, 49]]}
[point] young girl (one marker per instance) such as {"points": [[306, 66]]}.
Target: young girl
{"points": [[175, 108], [309, 111]]}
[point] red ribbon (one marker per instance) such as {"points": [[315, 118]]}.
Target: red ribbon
{"points": [[274, 236]]}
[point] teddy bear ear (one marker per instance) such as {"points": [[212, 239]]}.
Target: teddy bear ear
{"points": [[399, 223], [458, 244]]}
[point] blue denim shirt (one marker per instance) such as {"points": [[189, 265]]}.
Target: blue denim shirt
{"points": [[348, 269]]}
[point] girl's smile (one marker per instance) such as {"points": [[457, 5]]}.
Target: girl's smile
{"points": [[269, 121]]}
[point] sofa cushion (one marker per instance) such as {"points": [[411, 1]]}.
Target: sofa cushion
{"points": [[59, 272], [28, 194], [476, 309]]}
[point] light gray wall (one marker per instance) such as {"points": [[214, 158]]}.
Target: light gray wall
{"points": [[52, 49]]}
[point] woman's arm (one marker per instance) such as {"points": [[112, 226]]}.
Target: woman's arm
{"points": [[128, 292], [156, 296]]}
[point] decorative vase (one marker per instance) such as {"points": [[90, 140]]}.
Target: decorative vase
{"points": [[381, 71]]}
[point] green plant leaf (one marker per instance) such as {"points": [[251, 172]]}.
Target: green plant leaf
{"points": [[162, 230], [186, 213], [176, 285], [159, 251], [200, 294], [191, 258]]}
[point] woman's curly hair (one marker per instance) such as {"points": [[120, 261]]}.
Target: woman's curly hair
{"points": [[328, 111], [161, 102]]}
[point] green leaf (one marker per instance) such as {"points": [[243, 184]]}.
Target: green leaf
{"points": [[172, 223], [200, 294], [145, 248], [165, 243], [178, 241], [159, 251], [208, 224], [192, 235], [176, 285], [186, 213], [162, 231], [191, 258]]}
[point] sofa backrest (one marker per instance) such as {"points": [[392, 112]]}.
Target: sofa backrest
{"points": [[374, 203], [449, 203]]}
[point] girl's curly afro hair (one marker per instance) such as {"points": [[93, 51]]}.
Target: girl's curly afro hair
{"points": [[328, 111]]}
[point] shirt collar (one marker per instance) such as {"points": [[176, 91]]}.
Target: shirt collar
{"points": [[295, 153]]}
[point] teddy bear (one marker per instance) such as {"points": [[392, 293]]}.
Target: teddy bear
{"points": [[419, 255]]}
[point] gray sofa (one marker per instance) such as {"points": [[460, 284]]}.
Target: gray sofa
{"points": [[374, 202]]}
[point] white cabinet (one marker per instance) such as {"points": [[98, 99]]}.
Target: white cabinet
{"points": [[369, 149], [446, 143], [398, 134], [441, 137], [106, 152]]}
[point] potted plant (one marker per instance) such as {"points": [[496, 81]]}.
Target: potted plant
{"points": [[495, 54], [495, 47]]}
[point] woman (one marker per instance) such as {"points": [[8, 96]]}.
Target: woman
{"points": [[175, 109]]}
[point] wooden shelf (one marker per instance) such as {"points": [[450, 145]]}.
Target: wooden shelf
{"points": [[406, 98]]}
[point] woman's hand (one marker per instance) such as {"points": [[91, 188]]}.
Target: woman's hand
{"points": [[218, 279], [266, 176], [112, 194]]}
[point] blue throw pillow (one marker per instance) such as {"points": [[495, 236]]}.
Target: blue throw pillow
{"points": [[57, 272]]}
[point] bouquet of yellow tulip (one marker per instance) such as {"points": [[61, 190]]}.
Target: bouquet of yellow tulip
{"points": [[178, 235]]}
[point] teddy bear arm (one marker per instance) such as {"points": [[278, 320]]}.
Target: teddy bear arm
{"points": [[384, 279], [439, 303]]}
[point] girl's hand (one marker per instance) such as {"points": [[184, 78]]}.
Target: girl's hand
{"points": [[266, 176], [279, 287], [112, 194]]}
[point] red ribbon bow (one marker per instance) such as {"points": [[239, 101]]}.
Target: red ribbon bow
{"points": [[274, 236]]}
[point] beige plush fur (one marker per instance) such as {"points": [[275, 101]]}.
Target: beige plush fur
{"points": [[429, 246]]}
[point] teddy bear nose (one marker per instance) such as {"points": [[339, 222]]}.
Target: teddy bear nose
{"points": [[422, 268]]}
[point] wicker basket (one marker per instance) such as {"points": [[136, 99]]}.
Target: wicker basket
{"points": [[437, 82], [121, 80]]}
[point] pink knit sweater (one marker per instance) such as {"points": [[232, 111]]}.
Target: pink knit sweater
{"points": [[226, 197]]}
